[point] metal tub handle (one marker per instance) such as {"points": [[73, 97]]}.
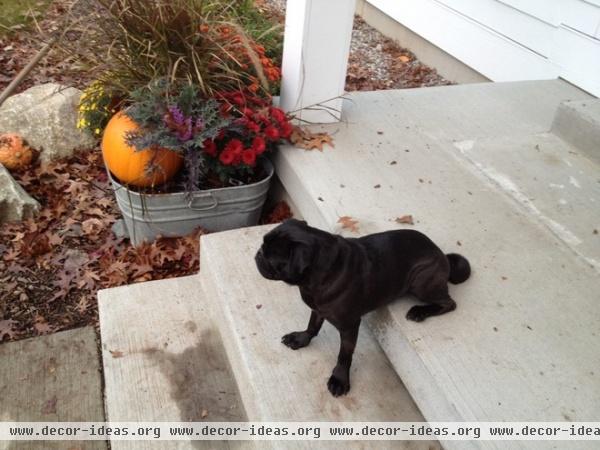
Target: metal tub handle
{"points": [[206, 208]]}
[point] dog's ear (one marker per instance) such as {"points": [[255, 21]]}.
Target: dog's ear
{"points": [[296, 222]]}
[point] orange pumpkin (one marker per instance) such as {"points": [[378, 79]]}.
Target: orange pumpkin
{"points": [[14, 152], [131, 166]]}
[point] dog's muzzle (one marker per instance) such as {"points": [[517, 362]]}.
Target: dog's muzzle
{"points": [[263, 266]]}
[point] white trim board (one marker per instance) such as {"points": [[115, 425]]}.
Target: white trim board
{"points": [[510, 40]]}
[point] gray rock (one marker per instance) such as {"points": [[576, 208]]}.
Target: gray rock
{"points": [[46, 117], [15, 203]]}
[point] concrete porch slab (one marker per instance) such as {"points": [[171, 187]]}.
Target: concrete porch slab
{"points": [[53, 378], [521, 345], [553, 181]]}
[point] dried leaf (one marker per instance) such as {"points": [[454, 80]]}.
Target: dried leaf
{"points": [[42, 326], [304, 138], [116, 353], [348, 223], [92, 227], [280, 212], [7, 329], [50, 406], [408, 219], [141, 269], [35, 244]]}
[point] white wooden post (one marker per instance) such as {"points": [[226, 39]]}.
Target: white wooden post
{"points": [[315, 58]]}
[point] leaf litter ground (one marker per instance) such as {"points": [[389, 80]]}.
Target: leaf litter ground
{"points": [[52, 266]]}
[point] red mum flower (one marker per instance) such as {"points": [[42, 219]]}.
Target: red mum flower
{"points": [[272, 133], [234, 146], [286, 130], [227, 157], [210, 148], [238, 99], [278, 115], [249, 157], [253, 126], [259, 145]]}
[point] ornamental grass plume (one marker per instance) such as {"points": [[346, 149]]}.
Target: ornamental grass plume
{"points": [[127, 44]]}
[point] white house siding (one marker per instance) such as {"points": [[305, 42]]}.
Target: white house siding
{"points": [[510, 40]]}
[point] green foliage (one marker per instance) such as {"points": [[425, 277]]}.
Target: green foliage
{"points": [[261, 29], [173, 118], [15, 14], [178, 118]]}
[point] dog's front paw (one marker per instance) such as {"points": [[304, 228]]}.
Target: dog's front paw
{"points": [[338, 386], [418, 313], [296, 340]]}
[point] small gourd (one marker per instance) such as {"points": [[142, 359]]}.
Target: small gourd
{"points": [[15, 154]]}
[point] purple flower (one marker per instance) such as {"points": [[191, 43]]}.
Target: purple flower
{"points": [[176, 121], [185, 133], [176, 114]]}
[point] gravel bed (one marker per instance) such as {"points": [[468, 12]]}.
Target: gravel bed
{"points": [[376, 62]]}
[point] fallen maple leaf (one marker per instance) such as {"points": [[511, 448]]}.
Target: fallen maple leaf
{"points": [[55, 240], [88, 279], [349, 223], [408, 219], [7, 329], [41, 326], [306, 139], [92, 227]]}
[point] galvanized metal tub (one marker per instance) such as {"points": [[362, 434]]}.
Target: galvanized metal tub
{"points": [[148, 216]]}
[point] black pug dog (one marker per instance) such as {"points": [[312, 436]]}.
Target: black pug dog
{"points": [[341, 279]]}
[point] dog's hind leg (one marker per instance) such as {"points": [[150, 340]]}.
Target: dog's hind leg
{"points": [[339, 382], [299, 339], [439, 302]]}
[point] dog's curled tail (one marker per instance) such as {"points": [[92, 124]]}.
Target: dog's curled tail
{"points": [[460, 269]]}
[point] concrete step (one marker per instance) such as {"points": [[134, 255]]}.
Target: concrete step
{"points": [[164, 360], [521, 345], [578, 122], [275, 382], [54, 378]]}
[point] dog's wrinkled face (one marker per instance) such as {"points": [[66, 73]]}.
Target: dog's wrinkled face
{"points": [[286, 252]]}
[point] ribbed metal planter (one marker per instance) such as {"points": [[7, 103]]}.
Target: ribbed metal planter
{"points": [[148, 216]]}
